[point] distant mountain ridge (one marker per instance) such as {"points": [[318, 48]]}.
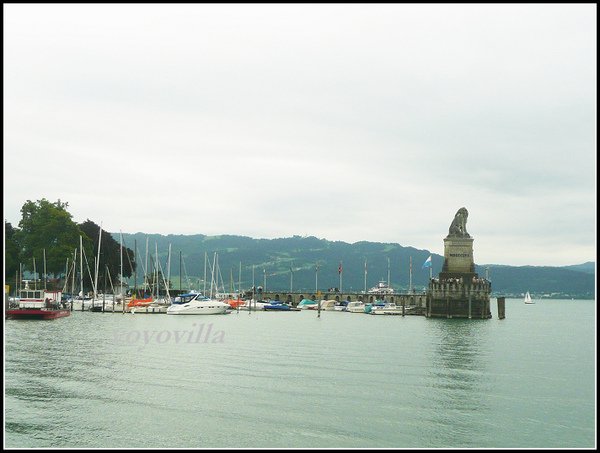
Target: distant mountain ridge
{"points": [[292, 262], [589, 267]]}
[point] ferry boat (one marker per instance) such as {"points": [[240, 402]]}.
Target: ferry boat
{"points": [[38, 304], [381, 288]]}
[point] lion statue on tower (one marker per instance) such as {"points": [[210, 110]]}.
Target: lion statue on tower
{"points": [[458, 227]]}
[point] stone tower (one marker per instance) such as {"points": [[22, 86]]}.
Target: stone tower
{"points": [[458, 292]]}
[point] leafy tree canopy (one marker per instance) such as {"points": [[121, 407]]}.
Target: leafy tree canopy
{"points": [[48, 227], [11, 252]]}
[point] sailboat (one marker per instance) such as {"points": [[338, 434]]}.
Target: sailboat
{"points": [[528, 299]]}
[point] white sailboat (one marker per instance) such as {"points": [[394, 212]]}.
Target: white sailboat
{"points": [[528, 299]]}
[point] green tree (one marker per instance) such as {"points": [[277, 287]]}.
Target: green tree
{"points": [[11, 252], [49, 227]]}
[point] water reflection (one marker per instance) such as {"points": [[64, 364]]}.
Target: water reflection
{"points": [[458, 382]]}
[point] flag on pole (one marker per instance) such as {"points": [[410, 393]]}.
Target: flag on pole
{"points": [[427, 263]]}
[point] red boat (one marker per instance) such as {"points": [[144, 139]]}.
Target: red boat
{"points": [[36, 313], [140, 302], [234, 303], [38, 304]]}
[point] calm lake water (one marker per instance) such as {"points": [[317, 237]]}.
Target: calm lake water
{"points": [[291, 379]]}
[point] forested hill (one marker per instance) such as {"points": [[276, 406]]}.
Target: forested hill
{"points": [[293, 262]]}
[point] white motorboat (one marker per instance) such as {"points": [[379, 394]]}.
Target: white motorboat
{"points": [[390, 308], [356, 306], [199, 305]]}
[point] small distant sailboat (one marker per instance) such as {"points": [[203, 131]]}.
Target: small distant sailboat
{"points": [[528, 298]]}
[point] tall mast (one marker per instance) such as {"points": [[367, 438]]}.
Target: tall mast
{"points": [[66, 275], [410, 276], [81, 268], [135, 259], [97, 262], [121, 276], [156, 270], [45, 285], [73, 277], [168, 269], [205, 260], [146, 273], [212, 275]]}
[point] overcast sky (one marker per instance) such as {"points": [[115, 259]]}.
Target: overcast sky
{"points": [[346, 122]]}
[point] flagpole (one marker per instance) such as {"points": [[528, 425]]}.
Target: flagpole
{"points": [[410, 276], [253, 293], [365, 276], [340, 269], [389, 283]]}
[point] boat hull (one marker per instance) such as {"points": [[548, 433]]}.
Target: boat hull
{"points": [[385, 312], [197, 311], [278, 307], [150, 310], [218, 310], [24, 313]]}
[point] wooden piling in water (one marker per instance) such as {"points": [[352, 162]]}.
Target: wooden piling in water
{"points": [[501, 313]]}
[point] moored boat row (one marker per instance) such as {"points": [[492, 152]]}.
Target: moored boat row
{"points": [[192, 303]]}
